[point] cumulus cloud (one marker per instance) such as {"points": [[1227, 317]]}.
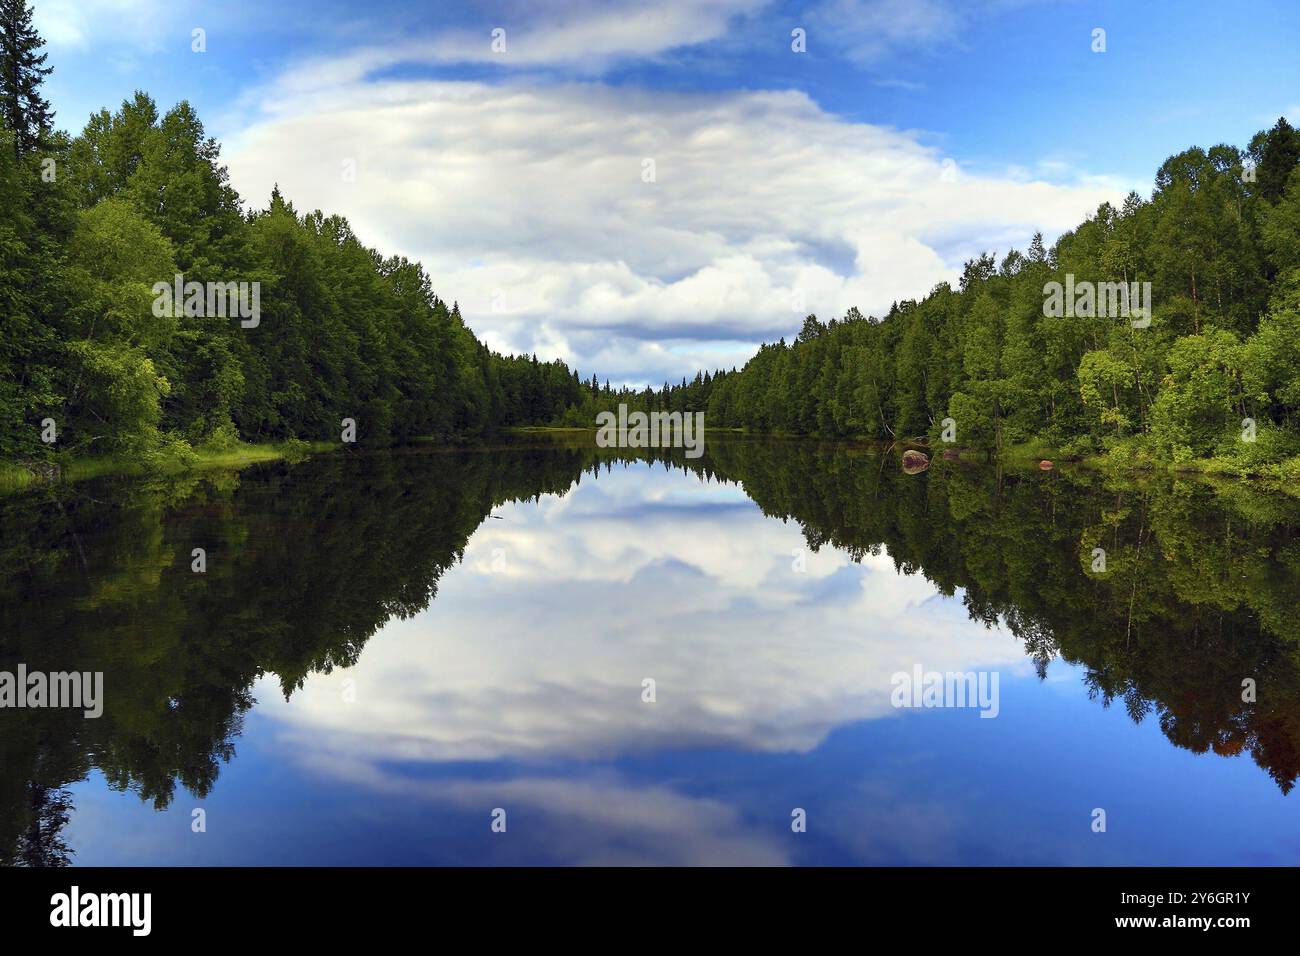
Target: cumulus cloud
{"points": [[531, 206]]}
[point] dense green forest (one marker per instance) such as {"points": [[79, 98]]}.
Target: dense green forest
{"points": [[1219, 241], [89, 225]]}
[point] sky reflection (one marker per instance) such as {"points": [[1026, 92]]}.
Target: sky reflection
{"points": [[520, 687]]}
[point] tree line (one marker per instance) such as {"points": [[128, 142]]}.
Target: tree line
{"points": [[90, 224], [1215, 374]]}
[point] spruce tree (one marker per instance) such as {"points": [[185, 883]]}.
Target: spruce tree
{"points": [[22, 71], [1275, 154]]}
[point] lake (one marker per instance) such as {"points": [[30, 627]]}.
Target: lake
{"points": [[541, 652]]}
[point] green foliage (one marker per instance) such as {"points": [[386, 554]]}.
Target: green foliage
{"points": [[345, 333], [341, 333], [224, 437], [1269, 447], [22, 71], [1220, 253], [1199, 397], [1280, 228], [294, 449]]}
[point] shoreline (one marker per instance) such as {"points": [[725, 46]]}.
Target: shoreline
{"points": [[16, 476]]}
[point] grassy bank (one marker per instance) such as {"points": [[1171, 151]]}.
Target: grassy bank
{"points": [[15, 476], [1283, 476], [1134, 461]]}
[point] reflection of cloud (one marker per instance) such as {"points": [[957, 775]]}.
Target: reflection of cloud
{"points": [[591, 818], [548, 658], [605, 823], [884, 825], [602, 821]]}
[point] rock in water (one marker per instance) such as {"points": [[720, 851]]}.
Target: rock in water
{"points": [[915, 462]]}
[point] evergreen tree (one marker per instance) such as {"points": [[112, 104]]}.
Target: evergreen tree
{"points": [[22, 71], [1275, 154]]}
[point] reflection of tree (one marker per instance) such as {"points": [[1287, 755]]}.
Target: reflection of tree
{"points": [[42, 843], [306, 563], [1198, 593]]}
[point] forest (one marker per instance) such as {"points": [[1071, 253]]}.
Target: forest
{"points": [[89, 225], [88, 367], [1211, 382]]}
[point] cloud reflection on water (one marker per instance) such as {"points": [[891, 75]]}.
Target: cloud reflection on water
{"points": [[641, 574]]}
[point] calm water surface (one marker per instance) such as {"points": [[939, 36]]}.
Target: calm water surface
{"points": [[385, 648]]}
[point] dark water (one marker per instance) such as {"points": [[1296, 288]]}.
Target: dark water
{"points": [[387, 648]]}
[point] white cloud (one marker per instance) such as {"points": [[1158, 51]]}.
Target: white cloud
{"points": [[866, 30], [588, 35], [528, 206], [577, 36], [83, 24]]}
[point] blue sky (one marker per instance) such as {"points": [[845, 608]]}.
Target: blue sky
{"points": [[911, 135]]}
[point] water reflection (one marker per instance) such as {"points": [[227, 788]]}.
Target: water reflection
{"points": [[384, 716]]}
